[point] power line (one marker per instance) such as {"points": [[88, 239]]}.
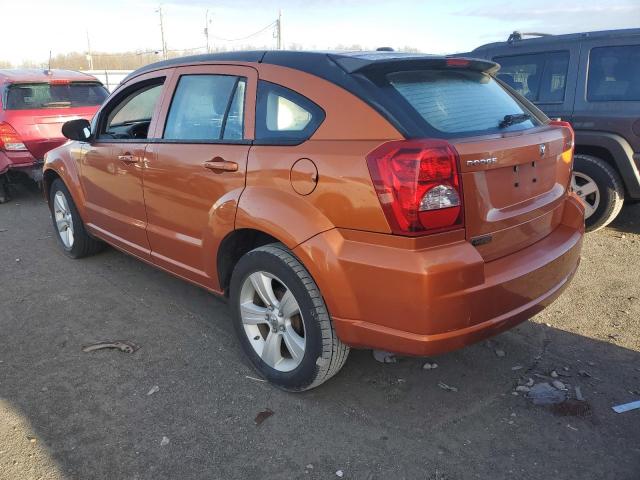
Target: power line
{"points": [[272, 24]]}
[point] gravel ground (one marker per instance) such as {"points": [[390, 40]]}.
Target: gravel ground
{"points": [[65, 414]]}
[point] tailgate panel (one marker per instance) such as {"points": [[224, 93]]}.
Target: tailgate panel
{"points": [[511, 185]]}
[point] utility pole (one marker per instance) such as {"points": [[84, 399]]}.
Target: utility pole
{"points": [[207, 22], [89, 56], [279, 30], [164, 44]]}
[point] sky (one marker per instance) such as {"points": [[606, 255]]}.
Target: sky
{"points": [[33, 27]]}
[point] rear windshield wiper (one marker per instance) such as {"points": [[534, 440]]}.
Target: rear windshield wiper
{"points": [[509, 120]]}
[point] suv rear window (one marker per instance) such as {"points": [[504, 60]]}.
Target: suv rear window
{"points": [[459, 102], [614, 74], [30, 96], [541, 77]]}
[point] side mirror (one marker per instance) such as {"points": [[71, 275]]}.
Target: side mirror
{"points": [[77, 129]]}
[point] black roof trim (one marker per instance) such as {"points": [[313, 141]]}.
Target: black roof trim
{"points": [[568, 38], [351, 71], [251, 56]]}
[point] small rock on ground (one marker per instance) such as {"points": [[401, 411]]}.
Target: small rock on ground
{"points": [[545, 394], [559, 385], [384, 357]]}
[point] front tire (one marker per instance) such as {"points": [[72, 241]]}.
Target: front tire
{"points": [[68, 226], [282, 321], [600, 188]]}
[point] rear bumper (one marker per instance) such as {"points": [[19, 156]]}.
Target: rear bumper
{"points": [[23, 162], [431, 300]]}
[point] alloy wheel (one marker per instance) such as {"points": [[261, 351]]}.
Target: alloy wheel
{"points": [[588, 191], [272, 321], [64, 221]]}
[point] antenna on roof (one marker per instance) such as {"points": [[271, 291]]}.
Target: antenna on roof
{"points": [[48, 71], [517, 36]]}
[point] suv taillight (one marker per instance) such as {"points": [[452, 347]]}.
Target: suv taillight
{"points": [[418, 184], [9, 138]]}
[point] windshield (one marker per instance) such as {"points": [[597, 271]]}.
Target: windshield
{"points": [[30, 96], [461, 101]]}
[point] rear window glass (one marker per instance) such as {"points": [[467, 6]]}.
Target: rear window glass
{"points": [[457, 102], [44, 95], [614, 74]]}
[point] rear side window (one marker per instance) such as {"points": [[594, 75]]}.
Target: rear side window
{"points": [[614, 74], [207, 108], [32, 96], [540, 77], [459, 102], [284, 116]]}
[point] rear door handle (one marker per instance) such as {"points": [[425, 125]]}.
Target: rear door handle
{"points": [[220, 165], [127, 158]]}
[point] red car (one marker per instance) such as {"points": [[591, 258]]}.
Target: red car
{"points": [[33, 106]]}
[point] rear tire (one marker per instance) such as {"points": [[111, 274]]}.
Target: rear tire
{"points": [[600, 188], [272, 272], [68, 226]]}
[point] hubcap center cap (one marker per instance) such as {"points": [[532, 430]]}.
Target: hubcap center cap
{"points": [[276, 321]]}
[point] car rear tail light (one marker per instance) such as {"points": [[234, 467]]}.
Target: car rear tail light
{"points": [[418, 185], [59, 81], [567, 147], [9, 138], [569, 140]]}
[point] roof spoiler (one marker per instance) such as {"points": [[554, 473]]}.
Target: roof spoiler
{"points": [[374, 63]]}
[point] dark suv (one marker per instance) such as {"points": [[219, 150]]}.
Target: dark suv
{"points": [[593, 81]]}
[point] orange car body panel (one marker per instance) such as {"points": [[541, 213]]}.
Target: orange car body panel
{"points": [[414, 295], [444, 296], [191, 208]]}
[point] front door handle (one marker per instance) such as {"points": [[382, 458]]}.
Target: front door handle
{"points": [[127, 158], [220, 165]]}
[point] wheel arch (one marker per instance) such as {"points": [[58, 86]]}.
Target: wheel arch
{"points": [[60, 165], [266, 215], [614, 150], [232, 247]]}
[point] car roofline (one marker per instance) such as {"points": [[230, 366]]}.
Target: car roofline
{"points": [[566, 38], [349, 62]]}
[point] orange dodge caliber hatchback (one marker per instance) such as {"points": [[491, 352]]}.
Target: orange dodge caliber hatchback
{"points": [[410, 203]]}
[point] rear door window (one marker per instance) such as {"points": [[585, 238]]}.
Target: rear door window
{"points": [[614, 74], [207, 108], [33, 96], [284, 116], [540, 77], [460, 102]]}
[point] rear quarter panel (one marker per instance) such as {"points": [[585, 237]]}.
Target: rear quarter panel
{"points": [[344, 195]]}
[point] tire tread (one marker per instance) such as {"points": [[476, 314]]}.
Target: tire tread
{"points": [[614, 195], [334, 352]]}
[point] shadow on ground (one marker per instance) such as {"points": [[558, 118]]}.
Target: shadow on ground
{"points": [[628, 221], [92, 418]]}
